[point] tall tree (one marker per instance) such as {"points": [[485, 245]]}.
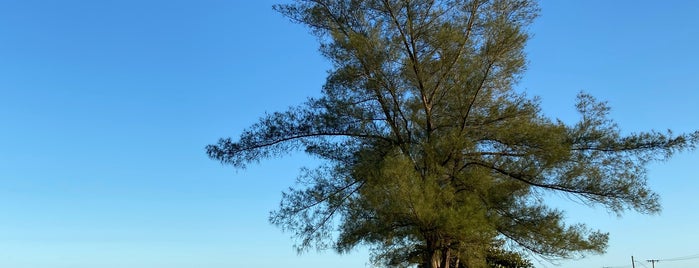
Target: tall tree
{"points": [[430, 155]]}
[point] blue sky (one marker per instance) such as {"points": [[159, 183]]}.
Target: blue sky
{"points": [[106, 106]]}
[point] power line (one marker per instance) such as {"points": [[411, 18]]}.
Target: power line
{"points": [[632, 265], [683, 258], [653, 261], [641, 263]]}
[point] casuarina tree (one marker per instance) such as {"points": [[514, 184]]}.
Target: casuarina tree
{"points": [[431, 157]]}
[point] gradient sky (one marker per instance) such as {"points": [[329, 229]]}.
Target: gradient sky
{"points": [[106, 106]]}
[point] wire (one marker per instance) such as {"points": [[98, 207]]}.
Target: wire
{"points": [[641, 263], [684, 258], [627, 266]]}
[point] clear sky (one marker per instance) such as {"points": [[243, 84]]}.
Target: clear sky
{"points": [[106, 106]]}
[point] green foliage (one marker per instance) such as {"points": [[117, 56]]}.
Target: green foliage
{"points": [[496, 257], [431, 157]]}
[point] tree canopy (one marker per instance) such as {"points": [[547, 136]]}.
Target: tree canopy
{"points": [[431, 156]]}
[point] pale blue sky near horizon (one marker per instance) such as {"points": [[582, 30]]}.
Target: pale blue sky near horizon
{"points": [[106, 106]]}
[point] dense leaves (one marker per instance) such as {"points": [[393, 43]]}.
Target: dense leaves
{"points": [[432, 158]]}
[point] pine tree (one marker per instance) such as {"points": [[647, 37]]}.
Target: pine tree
{"points": [[431, 156]]}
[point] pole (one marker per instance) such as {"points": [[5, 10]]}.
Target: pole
{"points": [[653, 262], [633, 263]]}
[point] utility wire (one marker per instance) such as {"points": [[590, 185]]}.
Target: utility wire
{"points": [[684, 258], [626, 266], [641, 263]]}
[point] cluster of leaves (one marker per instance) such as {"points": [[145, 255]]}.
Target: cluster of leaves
{"points": [[431, 157]]}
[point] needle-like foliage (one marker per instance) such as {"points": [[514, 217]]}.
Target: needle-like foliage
{"points": [[430, 155]]}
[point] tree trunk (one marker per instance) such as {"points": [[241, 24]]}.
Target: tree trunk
{"points": [[440, 258], [446, 261], [435, 260]]}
